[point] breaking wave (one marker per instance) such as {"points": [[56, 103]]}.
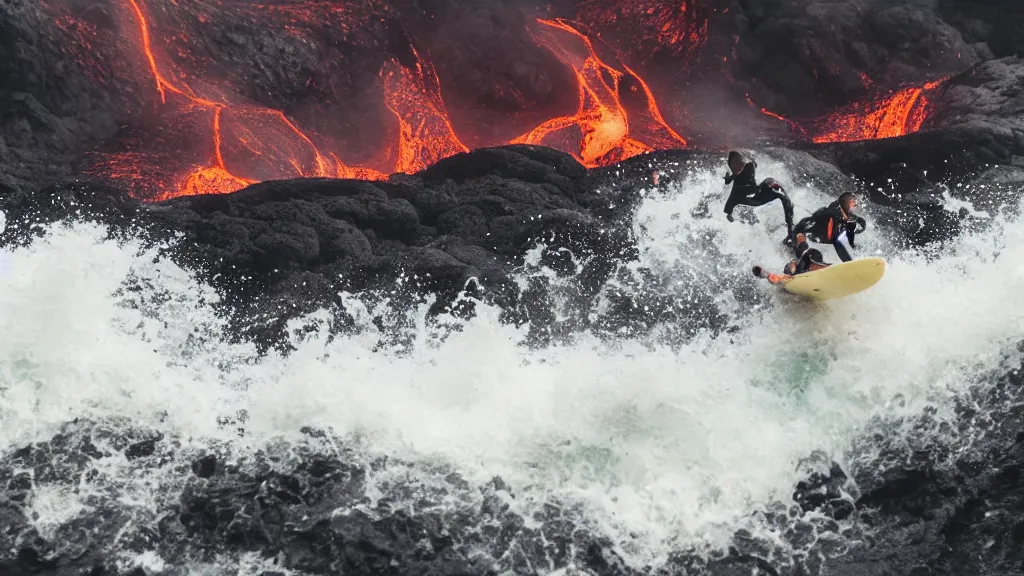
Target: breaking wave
{"points": [[657, 445]]}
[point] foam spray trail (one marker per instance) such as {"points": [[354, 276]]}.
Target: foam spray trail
{"points": [[661, 447]]}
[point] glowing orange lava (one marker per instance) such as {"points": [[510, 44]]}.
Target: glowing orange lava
{"points": [[678, 27], [248, 144], [425, 133], [262, 143], [207, 139], [899, 114], [600, 124], [162, 85]]}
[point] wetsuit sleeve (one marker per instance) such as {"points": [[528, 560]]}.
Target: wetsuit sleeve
{"points": [[841, 251], [839, 243]]}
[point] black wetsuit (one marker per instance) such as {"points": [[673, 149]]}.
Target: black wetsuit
{"points": [[806, 257], [830, 225], [747, 192]]}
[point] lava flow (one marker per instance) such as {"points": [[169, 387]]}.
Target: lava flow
{"points": [[674, 27], [425, 133], [898, 114], [601, 124], [263, 144], [248, 143], [237, 132]]}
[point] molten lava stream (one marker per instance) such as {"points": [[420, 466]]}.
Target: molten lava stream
{"points": [[269, 145], [899, 114], [677, 26], [258, 143], [425, 134], [601, 124], [248, 144]]}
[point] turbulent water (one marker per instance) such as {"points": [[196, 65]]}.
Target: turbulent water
{"points": [[657, 444]]}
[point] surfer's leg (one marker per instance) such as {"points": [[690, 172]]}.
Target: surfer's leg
{"points": [[804, 226], [766, 194], [801, 244], [787, 210], [760, 272], [811, 260], [801, 250]]}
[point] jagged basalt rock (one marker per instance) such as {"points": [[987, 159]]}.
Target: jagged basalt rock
{"points": [[467, 222], [977, 121], [998, 26], [53, 113], [801, 57], [310, 505]]}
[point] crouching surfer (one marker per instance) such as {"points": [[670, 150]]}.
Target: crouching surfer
{"points": [[747, 192], [835, 224], [807, 260]]}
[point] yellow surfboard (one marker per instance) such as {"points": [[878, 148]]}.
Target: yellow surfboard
{"points": [[836, 281]]}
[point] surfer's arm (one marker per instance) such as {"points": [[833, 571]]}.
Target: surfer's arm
{"points": [[840, 244]]}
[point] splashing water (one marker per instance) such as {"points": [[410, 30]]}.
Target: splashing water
{"points": [[663, 446]]}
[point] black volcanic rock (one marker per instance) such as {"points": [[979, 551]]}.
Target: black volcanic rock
{"points": [[989, 96], [53, 109], [977, 125], [942, 511], [996, 188], [359, 228], [799, 57], [996, 24], [298, 242]]}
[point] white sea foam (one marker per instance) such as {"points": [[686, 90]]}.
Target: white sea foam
{"points": [[662, 445]]}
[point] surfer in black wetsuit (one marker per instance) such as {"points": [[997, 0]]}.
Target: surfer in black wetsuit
{"points": [[807, 260], [835, 224], [747, 192]]}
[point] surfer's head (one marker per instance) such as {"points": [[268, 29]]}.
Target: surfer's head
{"points": [[848, 201], [736, 162]]}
